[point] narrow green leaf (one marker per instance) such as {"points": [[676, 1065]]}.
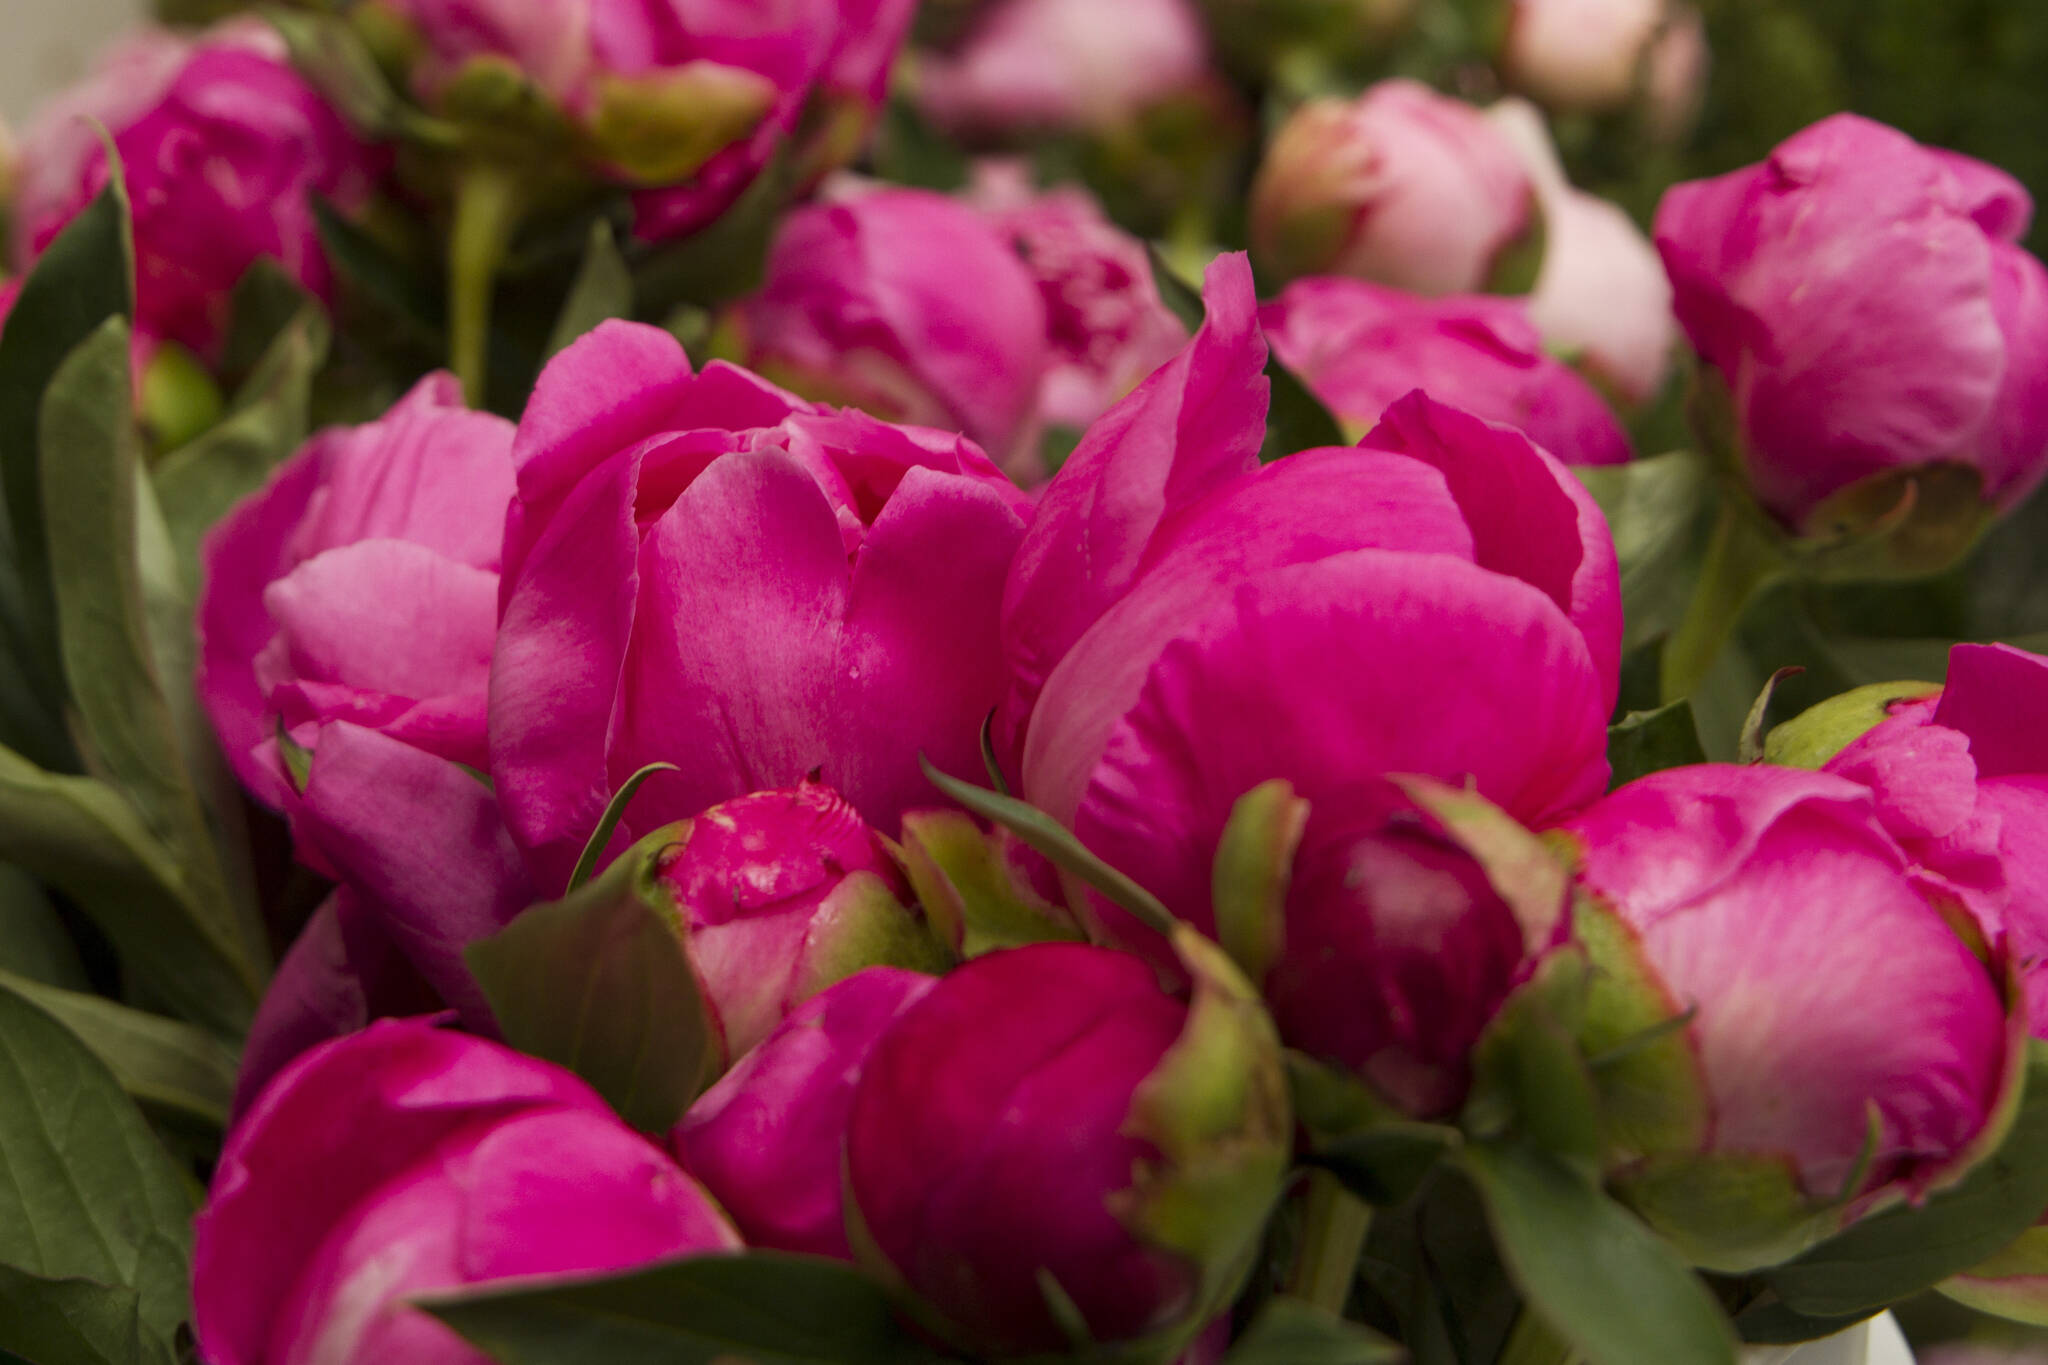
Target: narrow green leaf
{"points": [[33, 941], [1057, 843], [1297, 419], [171, 1068], [724, 261], [1660, 511], [1387, 1163], [1645, 742], [1591, 1269], [765, 1308], [989, 761], [614, 811], [86, 1191], [602, 289], [81, 279], [79, 835], [1897, 1253], [144, 738], [1182, 299], [197, 484], [74, 1322], [601, 983], [1749, 747]]}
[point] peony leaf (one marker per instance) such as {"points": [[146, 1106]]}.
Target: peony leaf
{"points": [[1288, 1331], [1297, 419], [1658, 509], [86, 1191], [1645, 742], [1590, 1269], [600, 982], [608, 823], [74, 1322], [602, 289], [172, 1069], [767, 1308]]}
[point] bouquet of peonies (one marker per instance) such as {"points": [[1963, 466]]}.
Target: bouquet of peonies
{"points": [[826, 682]]}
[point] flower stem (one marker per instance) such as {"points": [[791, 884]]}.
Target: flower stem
{"points": [[1741, 562], [1533, 1342], [487, 209], [1333, 1230]]}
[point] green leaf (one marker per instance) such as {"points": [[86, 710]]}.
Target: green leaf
{"points": [[1659, 510], [82, 279], [33, 941], [1297, 419], [197, 484], [170, 1068], [1749, 746], [1591, 1270], [86, 1191], [73, 1322], [765, 1308], [970, 891], [1894, 1254], [725, 260], [1182, 299], [603, 289], [1528, 1071], [143, 739], [600, 982], [383, 277], [1386, 1164], [910, 151], [79, 835], [1288, 1331], [327, 51], [614, 811], [1646, 742], [1057, 843]]}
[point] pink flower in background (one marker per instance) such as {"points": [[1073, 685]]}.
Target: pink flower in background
{"points": [[406, 1161], [1834, 1004], [1106, 324], [1600, 295], [222, 146], [769, 1140], [1584, 55], [1361, 346], [1066, 64], [1867, 304], [781, 894], [907, 304], [839, 578], [1403, 186], [689, 101]]}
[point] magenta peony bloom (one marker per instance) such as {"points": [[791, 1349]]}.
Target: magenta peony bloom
{"points": [[781, 894], [406, 1161], [1403, 186], [1105, 322], [1066, 65], [839, 578], [1869, 307], [1010, 1130], [1361, 346], [223, 147], [360, 585], [909, 305], [769, 1139], [1845, 1043], [690, 101]]}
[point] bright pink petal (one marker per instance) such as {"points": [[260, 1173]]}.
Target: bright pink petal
{"points": [[1998, 696], [387, 616], [1195, 424]]}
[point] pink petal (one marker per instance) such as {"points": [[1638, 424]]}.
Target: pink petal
{"points": [[388, 616], [1998, 696]]}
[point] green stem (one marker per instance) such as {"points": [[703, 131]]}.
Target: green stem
{"points": [[1534, 1342], [1741, 562], [1333, 1230], [487, 208]]}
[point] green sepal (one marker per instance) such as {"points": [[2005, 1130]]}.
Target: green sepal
{"points": [[600, 982], [660, 128], [1645, 742], [1727, 1211], [1652, 1092], [2010, 1284], [1814, 736], [1898, 524], [969, 889], [1522, 869], [1253, 869], [1217, 1110], [862, 924], [1529, 1078]]}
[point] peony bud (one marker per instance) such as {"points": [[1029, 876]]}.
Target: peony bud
{"points": [[768, 1139], [780, 895], [1403, 186], [1584, 56], [1843, 1047], [1361, 346], [1140, 1142], [1879, 330], [405, 1161]]}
